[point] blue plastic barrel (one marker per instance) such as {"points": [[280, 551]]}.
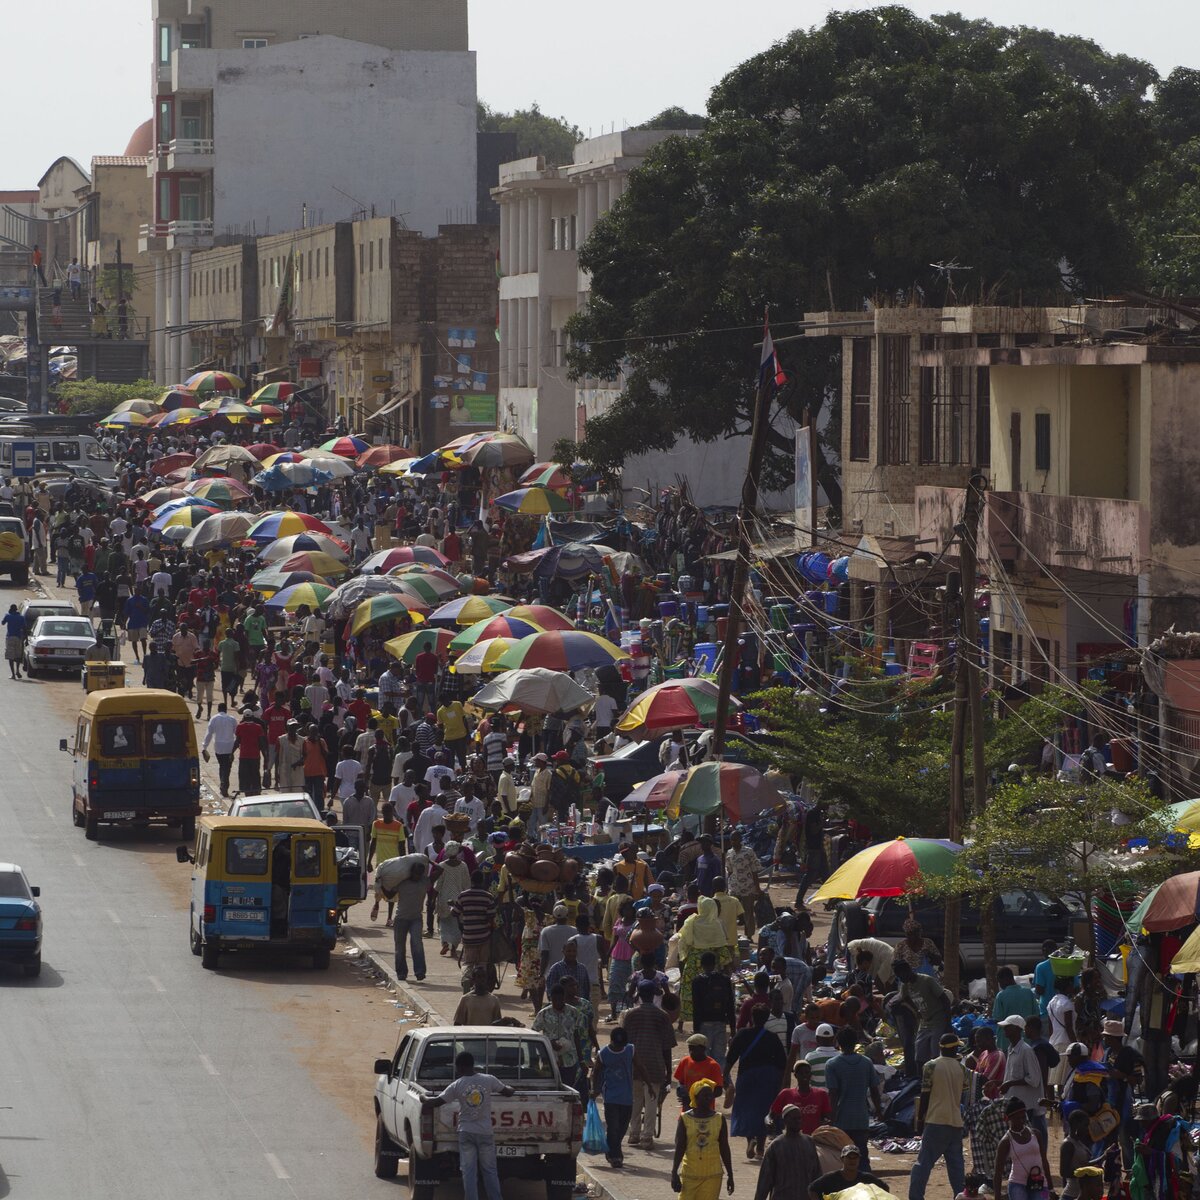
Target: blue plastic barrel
{"points": [[706, 656]]}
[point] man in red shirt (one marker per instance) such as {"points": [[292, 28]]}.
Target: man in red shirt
{"points": [[813, 1103], [251, 738], [276, 716], [425, 667], [359, 709]]}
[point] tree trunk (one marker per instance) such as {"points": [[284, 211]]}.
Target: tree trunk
{"points": [[987, 932]]}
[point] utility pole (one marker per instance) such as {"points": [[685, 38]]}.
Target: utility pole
{"points": [[968, 704]]}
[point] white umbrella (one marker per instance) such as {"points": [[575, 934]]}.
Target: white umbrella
{"points": [[533, 690], [221, 529], [326, 460]]}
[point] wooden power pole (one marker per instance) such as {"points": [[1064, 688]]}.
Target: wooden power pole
{"points": [[968, 707]]}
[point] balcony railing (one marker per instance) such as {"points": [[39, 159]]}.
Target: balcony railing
{"points": [[185, 146], [185, 229]]}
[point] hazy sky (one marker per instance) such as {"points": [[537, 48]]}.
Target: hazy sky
{"points": [[86, 73]]}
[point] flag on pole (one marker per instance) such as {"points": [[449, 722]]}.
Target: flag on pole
{"points": [[770, 373]]}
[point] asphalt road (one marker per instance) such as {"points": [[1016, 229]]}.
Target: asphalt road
{"points": [[128, 1070]]}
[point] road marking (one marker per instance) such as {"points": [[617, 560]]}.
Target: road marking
{"points": [[158, 987], [206, 1063], [78, 861], [48, 811], [277, 1167], [112, 916]]}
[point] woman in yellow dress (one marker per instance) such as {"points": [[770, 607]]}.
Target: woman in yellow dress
{"points": [[388, 837], [701, 1147]]}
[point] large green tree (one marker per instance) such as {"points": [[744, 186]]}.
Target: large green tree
{"points": [[836, 168], [551, 138]]}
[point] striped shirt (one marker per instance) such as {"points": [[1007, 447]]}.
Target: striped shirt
{"points": [[476, 910]]}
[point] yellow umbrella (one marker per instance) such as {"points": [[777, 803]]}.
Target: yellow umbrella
{"points": [[1187, 958]]}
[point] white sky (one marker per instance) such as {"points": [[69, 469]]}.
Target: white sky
{"points": [[86, 73]]}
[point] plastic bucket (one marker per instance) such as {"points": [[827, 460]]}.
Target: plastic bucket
{"points": [[706, 656]]}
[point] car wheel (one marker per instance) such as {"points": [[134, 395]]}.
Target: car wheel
{"points": [[76, 816], [321, 960], [386, 1165], [188, 829], [193, 936], [33, 968], [91, 827], [21, 574], [210, 954]]}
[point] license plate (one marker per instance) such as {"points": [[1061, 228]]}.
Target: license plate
{"points": [[119, 816], [242, 914], [510, 1151]]}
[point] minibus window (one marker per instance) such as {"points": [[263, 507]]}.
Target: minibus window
{"points": [[119, 738], [165, 739], [308, 859], [66, 451], [246, 856]]}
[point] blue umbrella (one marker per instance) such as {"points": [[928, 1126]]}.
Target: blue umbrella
{"points": [[170, 506], [283, 477], [427, 465]]}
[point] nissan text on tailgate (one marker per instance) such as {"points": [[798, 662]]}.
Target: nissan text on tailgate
{"points": [[538, 1130]]}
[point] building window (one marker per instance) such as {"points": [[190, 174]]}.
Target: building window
{"points": [[164, 122], [310, 274], [947, 416], [164, 43], [191, 200], [895, 396], [860, 400], [361, 258], [1041, 441], [983, 416], [164, 199], [253, 43], [191, 37], [381, 254], [274, 272], [235, 275], [326, 262], [370, 256]]}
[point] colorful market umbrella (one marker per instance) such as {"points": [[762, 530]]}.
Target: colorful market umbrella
{"points": [[274, 525], [225, 456], [1173, 904], [264, 450], [281, 456], [656, 792], [183, 416], [298, 595], [383, 561], [124, 420], [294, 543], [499, 450], [467, 610], [142, 407], [273, 393], [481, 658], [325, 460], [382, 456], [563, 650], [169, 506], [316, 562], [407, 646], [889, 869], [1187, 958], [533, 691], [499, 626], [220, 529], [378, 610], [169, 463], [224, 493], [401, 467], [546, 474], [272, 580], [430, 588], [175, 526], [534, 501], [237, 413], [160, 495], [205, 383], [284, 477], [177, 397], [349, 595], [346, 447], [542, 615], [675, 704]]}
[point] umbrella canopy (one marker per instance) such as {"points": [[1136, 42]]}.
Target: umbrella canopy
{"points": [[382, 456], [291, 598], [401, 467], [742, 792], [546, 474], [160, 495], [574, 560], [346, 447], [272, 580], [889, 869], [285, 547], [274, 525], [499, 626], [224, 493], [338, 467], [467, 610], [1187, 958], [227, 455], [169, 506], [383, 561], [563, 650], [282, 456], [169, 463], [675, 704], [498, 450], [316, 562], [433, 589], [482, 657], [535, 501], [273, 393], [349, 595], [542, 615], [185, 518], [282, 477], [263, 450], [220, 529], [1173, 904], [182, 416], [378, 610], [656, 792], [124, 420], [407, 646], [143, 407], [533, 691], [177, 397], [205, 383], [233, 410]]}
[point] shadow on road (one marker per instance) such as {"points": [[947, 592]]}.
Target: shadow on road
{"points": [[11, 976]]}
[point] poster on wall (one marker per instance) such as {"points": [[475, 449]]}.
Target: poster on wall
{"points": [[462, 364], [479, 381], [439, 401], [461, 337], [442, 381], [804, 501], [469, 408]]}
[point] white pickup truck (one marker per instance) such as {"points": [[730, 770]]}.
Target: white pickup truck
{"points": [[539, 1131]]}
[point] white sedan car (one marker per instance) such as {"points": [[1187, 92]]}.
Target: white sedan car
{"points": [[59, 644]]}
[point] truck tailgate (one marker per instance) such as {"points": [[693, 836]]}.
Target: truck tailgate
{"points": [[530, 1117]]}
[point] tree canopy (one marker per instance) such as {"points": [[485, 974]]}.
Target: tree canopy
{"points": [[92, 396], [838, 167], [551, 138], [675, 118]]}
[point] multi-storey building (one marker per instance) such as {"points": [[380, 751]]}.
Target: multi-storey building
{"points": [[277, 114]]}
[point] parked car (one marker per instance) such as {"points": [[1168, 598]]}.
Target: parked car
{"points": [[46, 607], [1024, 920], [538, 1131], [275, 804], [634, 763], [20, 920], [59, 643]]}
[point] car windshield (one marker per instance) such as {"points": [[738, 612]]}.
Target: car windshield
{"points": [[510, 1058], [627, 751], [47, 627], [274, 808], [13, 887]]}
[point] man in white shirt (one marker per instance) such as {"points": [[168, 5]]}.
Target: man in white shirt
{"points": [[346, 772], [606, 714], [438, 772], [317, 695], [473, 807], [403, 794], [430, 819], [160, 583], [222, 734], [117, 527]]}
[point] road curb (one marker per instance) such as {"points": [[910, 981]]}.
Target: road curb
{"points": [[388, 971]]}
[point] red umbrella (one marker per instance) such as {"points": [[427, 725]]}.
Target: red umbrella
{"points": [[171, 462], [262, 450], [380, 456]]}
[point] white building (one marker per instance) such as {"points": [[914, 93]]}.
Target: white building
{"points": [[271, 115], [546, 213]]}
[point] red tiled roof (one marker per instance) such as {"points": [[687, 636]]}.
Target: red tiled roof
{"points": [[20, 197], [119, 160]]}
